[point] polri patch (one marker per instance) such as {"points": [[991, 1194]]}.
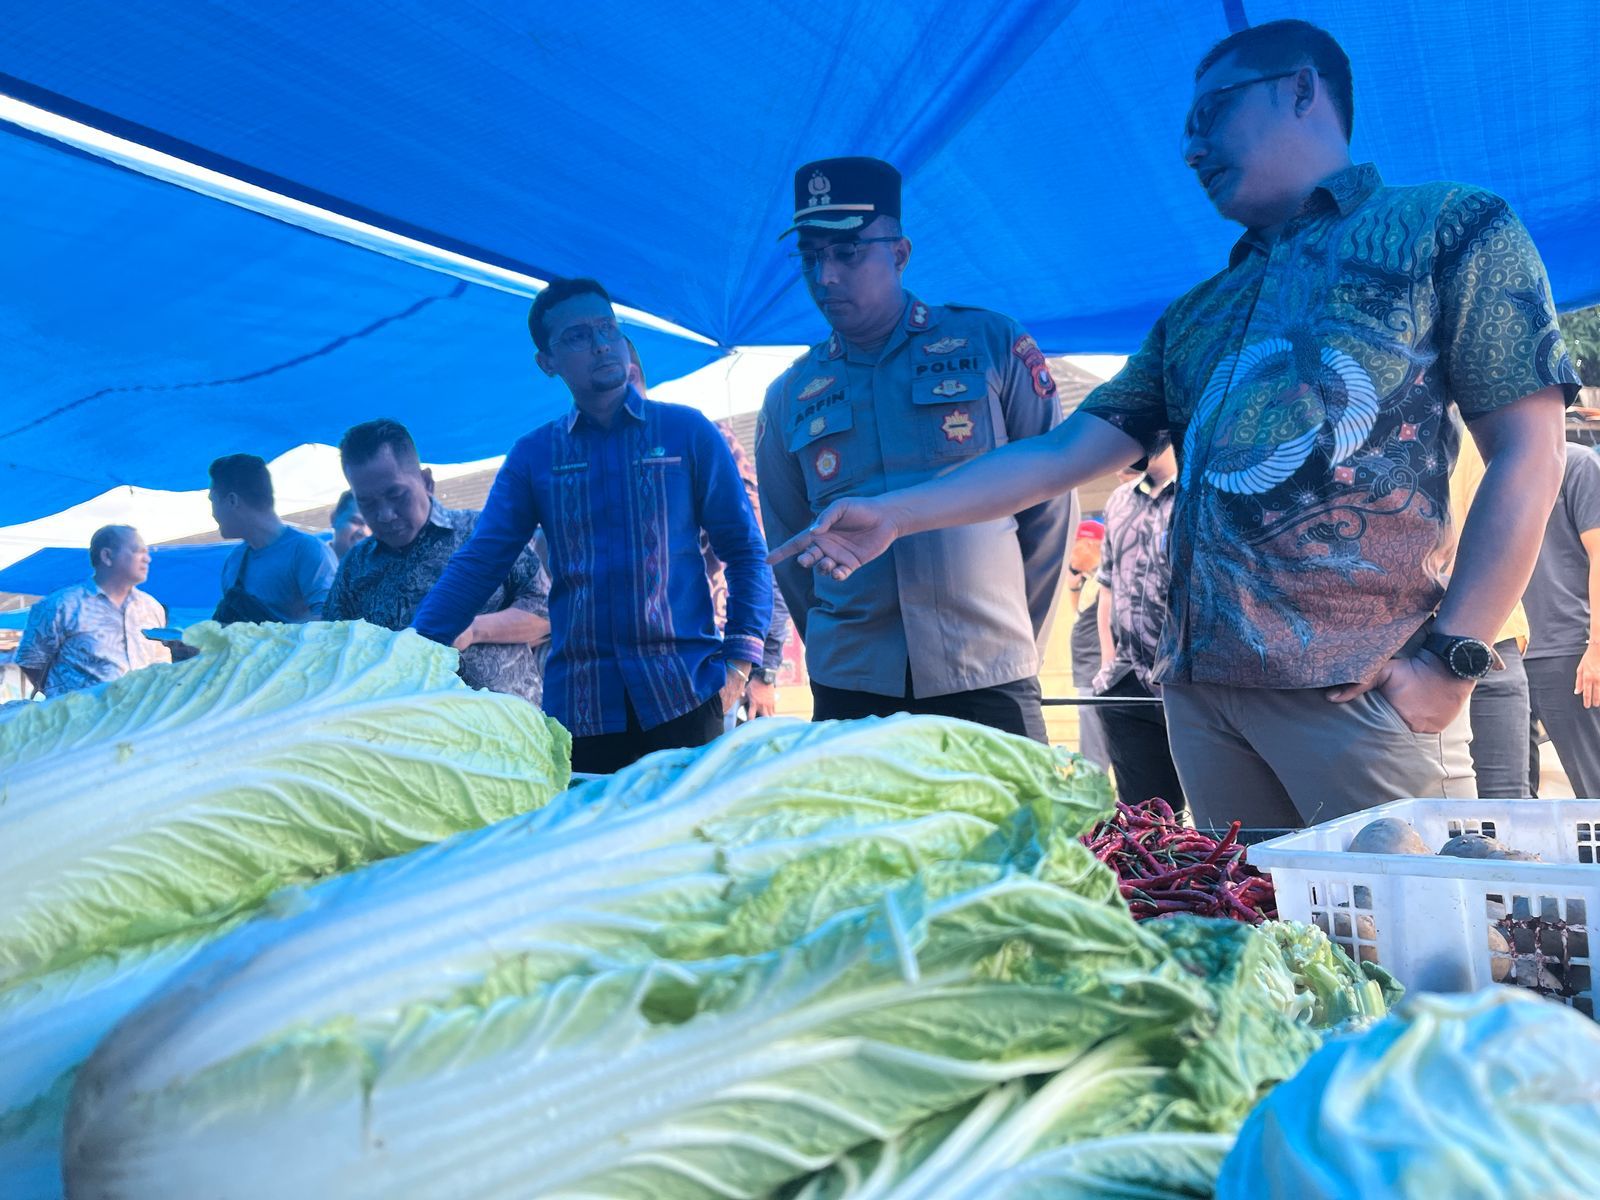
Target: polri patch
{"points": [[1027, 350], [957, 426], [827, 463]]}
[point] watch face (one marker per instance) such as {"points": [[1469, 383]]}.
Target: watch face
{"points": [[1470, 659]]}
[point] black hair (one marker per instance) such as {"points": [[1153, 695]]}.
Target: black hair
{"points": [[345, 510], [246, 476], [108, 537], [364, 442], [561, 289], [1286, 45]]}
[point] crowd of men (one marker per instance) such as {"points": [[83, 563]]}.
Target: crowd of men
{"points": [[1263, 612]]}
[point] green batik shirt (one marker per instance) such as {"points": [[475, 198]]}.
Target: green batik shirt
{"points": [[1306, 389]]}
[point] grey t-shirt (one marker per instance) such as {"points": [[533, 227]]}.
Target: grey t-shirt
{"points": [[1557, 599], [291, 576]]}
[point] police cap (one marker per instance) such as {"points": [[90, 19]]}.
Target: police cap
{"points": [[836, 195]]}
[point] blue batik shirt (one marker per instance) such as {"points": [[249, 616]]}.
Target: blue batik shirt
{"points": [[630, 608]]}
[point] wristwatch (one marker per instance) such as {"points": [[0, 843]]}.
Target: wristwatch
{"points": [[1467, 657], [769, 675]]}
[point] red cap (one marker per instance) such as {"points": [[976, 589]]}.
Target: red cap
{"points": [[1092, 529]]}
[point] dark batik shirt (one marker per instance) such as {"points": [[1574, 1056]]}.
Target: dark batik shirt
{"points": [[385, 587], [1135, 566], [1306, 388]]}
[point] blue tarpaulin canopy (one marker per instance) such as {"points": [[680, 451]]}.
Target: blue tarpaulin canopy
{"points": [[653, 146]]}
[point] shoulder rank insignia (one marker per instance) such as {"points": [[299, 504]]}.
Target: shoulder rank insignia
{"points": [[1027, 350], [919, 316]]}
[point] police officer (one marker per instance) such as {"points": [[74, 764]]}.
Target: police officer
{"points": [[951, 622]]}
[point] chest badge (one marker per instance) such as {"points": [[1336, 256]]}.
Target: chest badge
{"points": [[957, 426], [820, 384], [950, 387], [818, 424], [827, 463], [945, 345]]}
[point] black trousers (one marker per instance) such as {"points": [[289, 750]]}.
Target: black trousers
{"points": [[1136, 735], [607, 752], [1009, 707]]}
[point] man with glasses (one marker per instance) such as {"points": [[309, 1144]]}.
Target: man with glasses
{"points": [[952, 623], [1312, 663], [622, 487]]}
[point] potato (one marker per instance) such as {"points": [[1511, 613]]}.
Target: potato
{"points": [[1388, 835], [1473, 845]]}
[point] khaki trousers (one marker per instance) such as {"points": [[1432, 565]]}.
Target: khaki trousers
{"points": [[1282, 758]]}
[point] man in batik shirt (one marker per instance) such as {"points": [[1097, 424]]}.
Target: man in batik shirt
{"points": [[1135, 575], [93, 632], [384, 578], [1313, 664]]}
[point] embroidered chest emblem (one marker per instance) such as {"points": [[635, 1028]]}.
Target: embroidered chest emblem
{"points": [[950, 387], [818, 424], [945, 345], [827, 463], [957, 426], [820, 384]]}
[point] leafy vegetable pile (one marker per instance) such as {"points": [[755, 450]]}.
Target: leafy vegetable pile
{"points": [[141, 819], [867, 958], [1166, 867]]}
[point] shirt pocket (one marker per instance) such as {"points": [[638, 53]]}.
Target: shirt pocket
{"points": [[953, 414], [664, 479], [830, 453]]}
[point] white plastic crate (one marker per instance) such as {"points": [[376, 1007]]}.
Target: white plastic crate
{"points": [[1428, 919]]}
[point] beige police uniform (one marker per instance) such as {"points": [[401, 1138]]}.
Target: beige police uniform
{"points": [[968, 607]]}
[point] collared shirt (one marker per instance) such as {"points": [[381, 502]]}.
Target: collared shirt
{"points": [[80, 637], [384, 586], [1306, 388], [630, 609], [1134, 565], [964, 608]]}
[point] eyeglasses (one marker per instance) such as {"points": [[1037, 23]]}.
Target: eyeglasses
{"points": [[843, 254], [1204, 111], [583, 337]]}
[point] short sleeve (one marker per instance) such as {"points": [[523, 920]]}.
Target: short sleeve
{"points": [[1135, 399], [1580, 491], [41, 639], [318, 564], [1497, 334]]}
